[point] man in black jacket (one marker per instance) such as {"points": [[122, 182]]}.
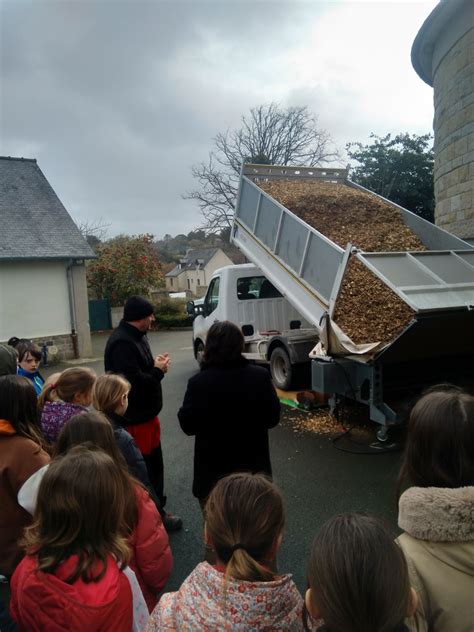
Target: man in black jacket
{"points": [[128, 352]]}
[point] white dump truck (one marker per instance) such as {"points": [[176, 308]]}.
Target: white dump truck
{"points": [[274, 331], [435, 284]]}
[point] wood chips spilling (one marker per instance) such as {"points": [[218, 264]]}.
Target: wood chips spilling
{"points": [[366, 309]]}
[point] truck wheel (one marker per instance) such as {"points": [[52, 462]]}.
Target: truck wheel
{"points": [[281, 369], [199, 352]]}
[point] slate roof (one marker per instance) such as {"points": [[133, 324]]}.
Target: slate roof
{"points": [[33, 222], [190, 261]]}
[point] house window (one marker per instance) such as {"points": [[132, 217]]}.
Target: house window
{"points": [[189, 285], [171, 282], [199, 281]]}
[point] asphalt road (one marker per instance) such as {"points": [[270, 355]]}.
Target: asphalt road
{"points": [[317, 480]]}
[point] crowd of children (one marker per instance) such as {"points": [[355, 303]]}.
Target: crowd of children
{"points": [[83, 546]]}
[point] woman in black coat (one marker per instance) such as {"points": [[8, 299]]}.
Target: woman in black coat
{"points": [[229, 407]]}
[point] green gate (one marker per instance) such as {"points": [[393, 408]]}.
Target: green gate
{"points": [[99, 314]]}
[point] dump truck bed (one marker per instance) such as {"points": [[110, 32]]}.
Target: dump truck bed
{"points": [[307, 267]]}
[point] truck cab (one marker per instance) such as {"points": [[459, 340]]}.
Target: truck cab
{"points": [[274, 332]]}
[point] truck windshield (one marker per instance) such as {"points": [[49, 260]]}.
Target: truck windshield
{"points": [[251, 288]]}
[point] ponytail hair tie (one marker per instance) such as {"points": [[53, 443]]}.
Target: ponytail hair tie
{"points": [[238, 546]]}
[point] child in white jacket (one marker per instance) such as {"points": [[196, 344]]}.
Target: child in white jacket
{"points": [[437, 511]]}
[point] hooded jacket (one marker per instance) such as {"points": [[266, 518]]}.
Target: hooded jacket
{"points": [[8, 360], [20, 457], [438, 544], [45, 601], [151, 558], [151, 554], [201, 604]]}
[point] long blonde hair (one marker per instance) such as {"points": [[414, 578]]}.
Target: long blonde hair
{"points": [[108, 391]]}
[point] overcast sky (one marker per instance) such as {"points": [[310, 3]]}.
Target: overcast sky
{"points": [[117, 99]]}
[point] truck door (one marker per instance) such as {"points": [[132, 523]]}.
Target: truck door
{"points": [[210, 314]]}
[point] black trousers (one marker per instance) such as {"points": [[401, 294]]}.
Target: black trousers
{"points": [[154, 465]]}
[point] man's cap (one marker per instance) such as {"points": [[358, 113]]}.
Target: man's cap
{"points": [[137, 308]]}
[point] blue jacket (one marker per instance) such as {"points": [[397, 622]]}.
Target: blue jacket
{"points": [[35, 377]]}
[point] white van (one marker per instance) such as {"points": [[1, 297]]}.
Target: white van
{"points": [[274, 331]]}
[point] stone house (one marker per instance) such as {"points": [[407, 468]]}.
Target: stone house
{"points": [[43, 290], [443, 56], [193, 272]]}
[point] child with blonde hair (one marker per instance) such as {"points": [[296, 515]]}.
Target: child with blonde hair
{"points": [[73, 390], [244, 524], [72, 576], [110, 397], [49, 387]]}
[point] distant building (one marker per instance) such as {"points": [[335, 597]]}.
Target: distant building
{"points": [[193, 272], [43, 290], [443, 56]]}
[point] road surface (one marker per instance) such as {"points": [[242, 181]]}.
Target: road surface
{"points": [[316, 479]]}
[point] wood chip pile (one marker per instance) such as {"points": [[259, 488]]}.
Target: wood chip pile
{"points": [[344, 215], [319, 422], [366, 309]]}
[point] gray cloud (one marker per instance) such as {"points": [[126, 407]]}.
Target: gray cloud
{"points": [[117, 99]]}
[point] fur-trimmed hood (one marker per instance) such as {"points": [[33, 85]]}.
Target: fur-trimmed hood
{"points": [[438, 514]]}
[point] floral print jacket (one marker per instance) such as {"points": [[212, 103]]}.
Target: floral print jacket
{"points": [[205, 603]]}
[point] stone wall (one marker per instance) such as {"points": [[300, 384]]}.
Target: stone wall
{"points": [[453, 82], [63, 344]]}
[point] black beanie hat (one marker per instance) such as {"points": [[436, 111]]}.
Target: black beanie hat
{"points": [[137, 308]]}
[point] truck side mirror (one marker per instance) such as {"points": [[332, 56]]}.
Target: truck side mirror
{"points": [[190, 308]]}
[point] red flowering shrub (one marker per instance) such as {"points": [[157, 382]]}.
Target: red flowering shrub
{"points": [[125, 266]]}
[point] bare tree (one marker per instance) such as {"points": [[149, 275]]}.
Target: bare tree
{"points": [[270, 136], [93, 231]]}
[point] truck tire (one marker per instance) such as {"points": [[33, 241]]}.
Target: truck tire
{"points": [[281, 369], [199, 352]]}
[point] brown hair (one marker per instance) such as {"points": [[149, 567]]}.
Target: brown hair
{"points": [[94, 429], [27, 346], [75, 517], [108, 390], [244, 517], [18, 406], [439, 450], [69, 383], [358, 576], [224, 345]]}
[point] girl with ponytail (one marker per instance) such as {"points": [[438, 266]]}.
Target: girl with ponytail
{"points": [[244, 518], [70, 395]]}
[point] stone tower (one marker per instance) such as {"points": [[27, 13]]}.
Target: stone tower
{"points": [[443, 56]]}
